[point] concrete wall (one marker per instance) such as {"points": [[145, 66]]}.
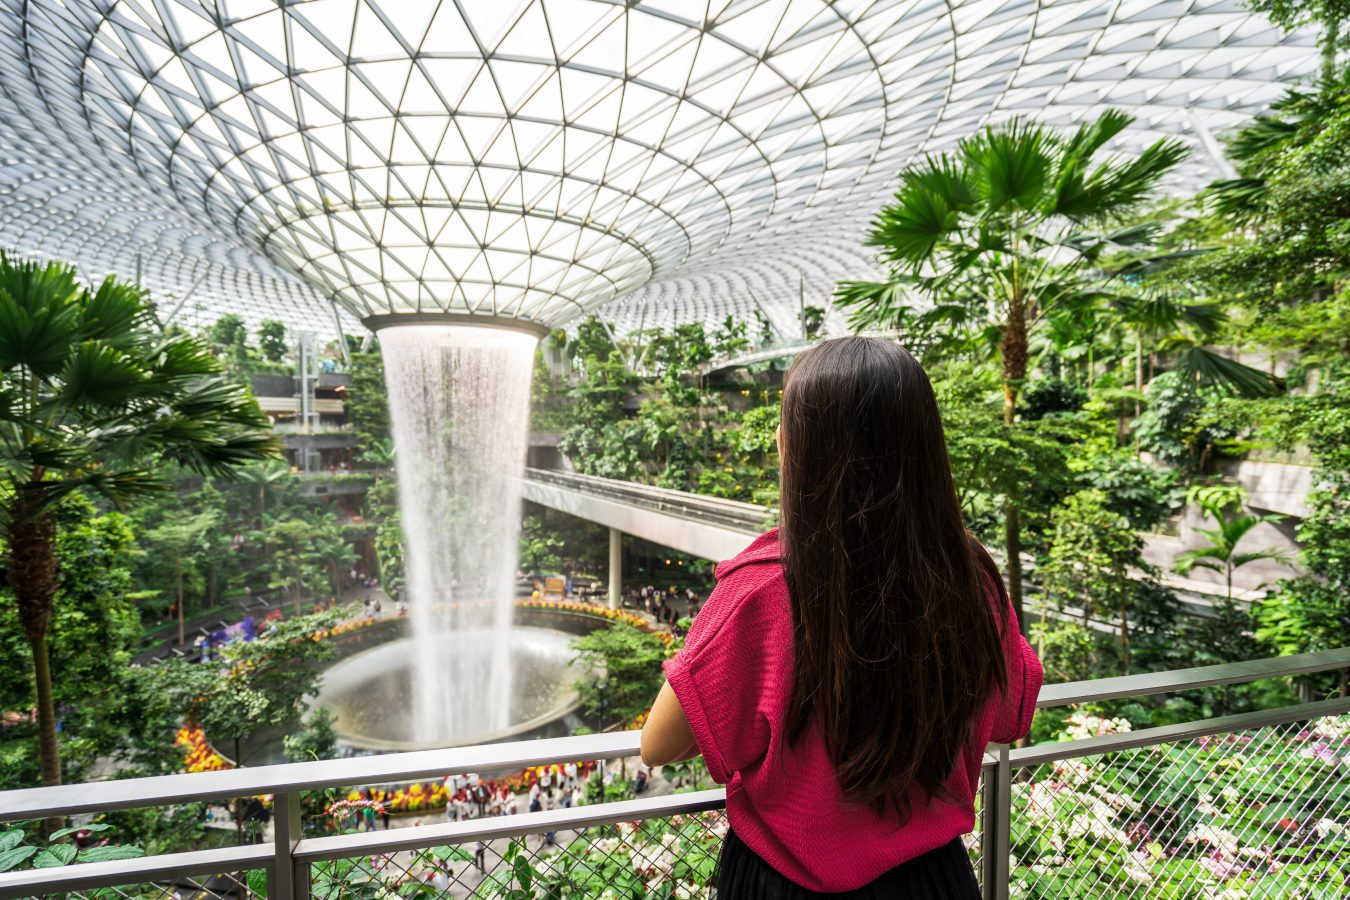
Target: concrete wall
{"points": [[1271, 488]]}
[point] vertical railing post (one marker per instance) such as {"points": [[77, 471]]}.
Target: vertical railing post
{"points": [[1002, 847], [290, 879], [989, 813]]}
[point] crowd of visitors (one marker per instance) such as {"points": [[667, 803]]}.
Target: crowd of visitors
{"points": [[470, 796]]}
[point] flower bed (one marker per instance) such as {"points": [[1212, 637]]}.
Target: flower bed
{"points": [[599, 612], [198, 755]]}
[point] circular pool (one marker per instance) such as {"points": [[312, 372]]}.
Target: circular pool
{"points": [[371, 692]]}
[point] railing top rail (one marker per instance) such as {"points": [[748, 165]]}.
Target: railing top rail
{"points": [[71, 799], [1150, 683], [1024, 757]]}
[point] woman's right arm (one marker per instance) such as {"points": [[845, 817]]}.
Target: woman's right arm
{"points": [[1025, 675]]}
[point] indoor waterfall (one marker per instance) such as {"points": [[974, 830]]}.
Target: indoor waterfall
{"points": [[459, 399]]}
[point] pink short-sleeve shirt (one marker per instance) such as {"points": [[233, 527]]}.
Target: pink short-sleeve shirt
{"points": [[733, 679]]}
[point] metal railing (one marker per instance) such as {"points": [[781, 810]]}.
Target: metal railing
{"points": [[1250, 799], [733, 514]]}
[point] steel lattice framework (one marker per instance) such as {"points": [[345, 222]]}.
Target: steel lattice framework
{"points": [[665, 159]]}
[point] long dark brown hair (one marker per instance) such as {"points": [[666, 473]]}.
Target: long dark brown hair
{"points": [[897, 643]]}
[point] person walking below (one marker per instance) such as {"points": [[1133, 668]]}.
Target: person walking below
{"points": [[480, 798], [850, 666]]}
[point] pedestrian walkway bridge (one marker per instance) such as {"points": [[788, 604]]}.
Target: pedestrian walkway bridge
{"points": [[1252, 805], [708, 527]]}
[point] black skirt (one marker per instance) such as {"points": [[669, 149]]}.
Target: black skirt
{"points": [[941, 874]]}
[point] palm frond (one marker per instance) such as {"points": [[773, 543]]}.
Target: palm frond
{"points": [[1116, 188], [1241, 559], [911, 227], [100, 374], [875, 304], [1237, 198], [119, 313], [34, 335], [1203, 367], [1009, 166], [1093, 135], [1205, 318]]}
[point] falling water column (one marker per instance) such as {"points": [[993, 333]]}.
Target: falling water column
{"points": [[459, 402]]}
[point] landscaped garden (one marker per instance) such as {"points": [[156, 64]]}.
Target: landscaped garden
{"points": [[1116, 365]]}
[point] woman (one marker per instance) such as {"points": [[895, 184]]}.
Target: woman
{"points": [[849, 668]]}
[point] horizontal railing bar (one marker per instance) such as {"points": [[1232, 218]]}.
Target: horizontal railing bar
{"points": [[127, 872], [578, 817], [1148, 683], [102, 796], [1169, 734]]}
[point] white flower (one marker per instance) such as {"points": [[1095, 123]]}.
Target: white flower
{"points": [[1334, 727], [1326, 827], [1083, 725], [1214, 837]]}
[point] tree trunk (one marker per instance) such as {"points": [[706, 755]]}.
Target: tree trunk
{"points": [[1014, 352], [1138, 371], [1125, 638], [32, 576], [182, 616]]}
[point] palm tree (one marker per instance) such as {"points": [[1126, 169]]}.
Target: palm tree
{"points": [[331, 550], [265, 477], [1008, 227], [1222, 554], [94, 396]]}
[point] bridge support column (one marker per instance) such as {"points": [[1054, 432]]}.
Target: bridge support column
{"points": [[615, 568]]}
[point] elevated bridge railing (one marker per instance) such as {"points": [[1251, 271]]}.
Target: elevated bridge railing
{"points": [[1252, 804]]}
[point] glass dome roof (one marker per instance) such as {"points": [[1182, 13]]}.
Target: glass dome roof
{"points": [[664, 160]]}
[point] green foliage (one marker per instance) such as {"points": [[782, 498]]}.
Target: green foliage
{"points": [[272, 340], [1005, 229], [1222, 554], [249, 685], [1025, 464], [366, 400], [59, 850], [1068, 651], [1181, 425], [1051, 395], [539, 547], [1144, 494], [1230, 815], [1090, 567], [624, 672], [93, 632], [1312, 612], [316, 740], [228, 334]]}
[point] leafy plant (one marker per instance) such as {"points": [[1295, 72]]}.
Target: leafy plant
{"points": [[94, 396], [1010, 227], [59, 849], [1222, 554]]}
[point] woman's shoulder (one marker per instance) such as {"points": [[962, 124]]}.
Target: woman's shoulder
{"points": [[763, 557], [750, 593]]}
